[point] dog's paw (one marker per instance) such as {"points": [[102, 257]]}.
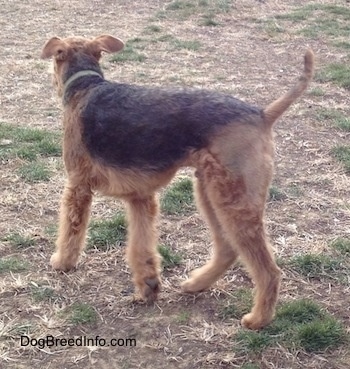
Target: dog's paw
{"points": [[192, 286], [58, 263], [150, 288], [250, 321]]}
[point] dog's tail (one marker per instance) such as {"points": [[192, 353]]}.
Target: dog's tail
{"points": [[278, 107]]}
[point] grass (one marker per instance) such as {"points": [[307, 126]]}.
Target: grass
{"points": [[342, 245], [275, 194], [337, 73], [41, 293], [339, 119], [130, 52], [178, 198], [186, 44], [19, 241], [319, 20], [81, 313], [13, 264], [239, 303], [183, 317], [183, 10], [342, 154], [27, 143], [299, 324], [106, 233], [34, 172], [169, 258], [316, 265], [317, 91]]}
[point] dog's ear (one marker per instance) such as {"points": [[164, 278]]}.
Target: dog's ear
{"points": [[107, 43], [54, 47]]}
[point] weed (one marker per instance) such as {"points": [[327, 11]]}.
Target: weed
{"points": [[342, 245], [19, 241], [178, 199], [105, 233], [41, 293], [183, 317], [82, 313], [337, 117], [321, 334], [12, 264], [34, 172], [209, 20], [240, 303], [188, 45], [252, 342], [315, 266], [129, 53], [342, 154], [27, 143], [169, 258], [275, 194], [337, 73], [152, 28], [317, 91]]}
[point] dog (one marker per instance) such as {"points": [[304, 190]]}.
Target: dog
{"points": [[129, 141]]}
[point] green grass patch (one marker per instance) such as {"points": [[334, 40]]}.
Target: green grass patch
{"points": [[342, 44], [275, 194], [342, 245], [317, 91], [186, 44], [34, 172], [169, 257], [81, 313], [183, 317], [342, 154], [19, 241], [28, 143], [337, 73], [298, 325], [107, 233], [321, 334], [130, 52], [178, 198], [316, 265], [336, 117], [41, 293], [183, 10], [209, 20], [239, 303], [13, 264], [21, 329], [319, 20], [152, 28]]}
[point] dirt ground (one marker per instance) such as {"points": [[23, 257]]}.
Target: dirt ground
{"points": [[243, 55]]}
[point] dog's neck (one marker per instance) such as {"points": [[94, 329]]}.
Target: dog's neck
{"points": [[75, 76]]}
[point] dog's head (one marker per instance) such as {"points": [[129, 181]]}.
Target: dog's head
{"points": [[77, 51]]}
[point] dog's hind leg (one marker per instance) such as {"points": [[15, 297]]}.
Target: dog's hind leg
{"points": [[74, 218], [141, 251], [223, 253], [238, 200]]}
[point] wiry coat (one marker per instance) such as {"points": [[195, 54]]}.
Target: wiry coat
{"points": [[128, 141]]}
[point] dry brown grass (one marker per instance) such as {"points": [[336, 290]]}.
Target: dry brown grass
{"points": [[241, 55]]}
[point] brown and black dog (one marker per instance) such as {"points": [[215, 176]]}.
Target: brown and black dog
{"points": [[129, 141]]}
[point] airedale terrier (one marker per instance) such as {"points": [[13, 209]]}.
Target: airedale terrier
{"points": [[129, 141]]}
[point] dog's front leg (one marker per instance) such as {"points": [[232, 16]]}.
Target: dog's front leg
{"points": [[142, 255], [74, 218]]}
